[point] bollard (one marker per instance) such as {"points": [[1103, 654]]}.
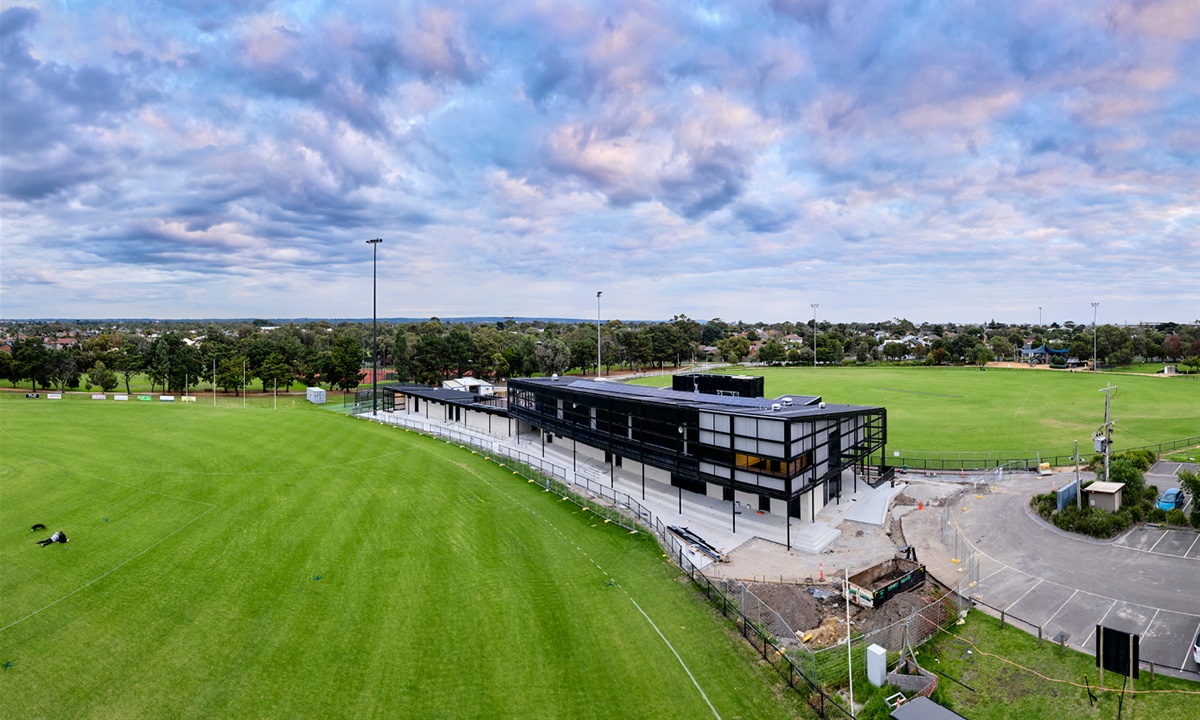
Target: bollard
{"points": [[1151, 671], [1001, 619], [1039, 636]]}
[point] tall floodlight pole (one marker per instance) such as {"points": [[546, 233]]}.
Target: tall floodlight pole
{"points": [[374, 328], [814, 307], [1094, 359], [598, 294], [1039, 314]]}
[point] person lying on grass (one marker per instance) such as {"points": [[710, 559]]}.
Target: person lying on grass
{"points": [[58, 537]]}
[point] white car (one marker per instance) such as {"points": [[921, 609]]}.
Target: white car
{"points": [[1196, 650]]}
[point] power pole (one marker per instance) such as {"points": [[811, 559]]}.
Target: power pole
{"points": [[1103, 439]]}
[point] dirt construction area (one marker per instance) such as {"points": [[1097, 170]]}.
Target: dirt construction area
{"points": [[806, 589]]}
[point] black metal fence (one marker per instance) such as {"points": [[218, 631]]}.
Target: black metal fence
{"points": [[619, 508], [1015, 460]]}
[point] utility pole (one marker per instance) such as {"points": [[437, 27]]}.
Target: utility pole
{"points": [[1095, 360], [1103, 439], [1079, 491]]}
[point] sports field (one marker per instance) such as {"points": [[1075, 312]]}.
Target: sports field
{"points": [[965, 409], [303, 564]]}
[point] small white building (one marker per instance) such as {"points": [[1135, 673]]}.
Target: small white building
{"points": [[481, 388]]}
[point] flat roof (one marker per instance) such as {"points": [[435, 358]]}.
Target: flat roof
{"points": [[802, 405], [922, 708], [1104, 487]]}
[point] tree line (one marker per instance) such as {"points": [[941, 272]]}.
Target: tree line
{"points": [[175, 356]]}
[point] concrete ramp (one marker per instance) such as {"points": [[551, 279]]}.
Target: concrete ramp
{"points": [[872, 507]]}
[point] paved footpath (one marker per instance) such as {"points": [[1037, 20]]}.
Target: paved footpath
{"points": [[1147, 581]]}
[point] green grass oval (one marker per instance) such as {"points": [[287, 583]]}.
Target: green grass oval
{"points": [[1000, 410]]}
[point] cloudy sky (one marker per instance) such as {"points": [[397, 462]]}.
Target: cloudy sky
{"points": [[940, 161]]}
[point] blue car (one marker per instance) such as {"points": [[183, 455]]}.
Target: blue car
{"points": [[1171, 499]]}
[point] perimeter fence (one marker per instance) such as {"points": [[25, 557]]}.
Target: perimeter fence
{"points": [[756, 622], [1013, 459]]}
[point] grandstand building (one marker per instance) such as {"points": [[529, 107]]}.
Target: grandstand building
{"points": [[788, 454]]}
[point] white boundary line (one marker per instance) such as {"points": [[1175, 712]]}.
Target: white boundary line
{"points": [[686, 669]]}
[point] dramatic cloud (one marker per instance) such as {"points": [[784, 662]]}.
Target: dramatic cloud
{"points": [[962, 161]]}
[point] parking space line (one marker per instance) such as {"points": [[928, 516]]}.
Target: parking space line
{"points": [[1001, 568], [1185, 554], [1060, 607], [1101, 622], [1156, 542], [1014, 602], [1192, 639]]}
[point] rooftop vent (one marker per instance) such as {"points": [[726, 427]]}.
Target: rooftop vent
{"points": [[776, 407], [787, 401]]}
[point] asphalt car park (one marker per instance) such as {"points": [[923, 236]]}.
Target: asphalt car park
{"points": [[1147, 582]]}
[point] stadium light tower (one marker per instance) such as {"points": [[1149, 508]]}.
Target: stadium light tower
{"points": [[374, 329], [1094, 359], [598, 294], [814, 307]]}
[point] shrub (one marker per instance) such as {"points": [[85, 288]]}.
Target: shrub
{"points": [[1137, 513], [1044, 504], [1156, 514], [1175, 517]]}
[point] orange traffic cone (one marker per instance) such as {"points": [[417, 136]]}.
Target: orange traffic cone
{"points": [[920, 506], [822, 566]]}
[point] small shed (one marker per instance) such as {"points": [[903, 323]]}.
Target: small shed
{"points": [[315, 395], [1105, 495]]}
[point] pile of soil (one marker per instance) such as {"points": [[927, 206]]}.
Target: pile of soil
{"points": [[820, 610], [797, 604]]}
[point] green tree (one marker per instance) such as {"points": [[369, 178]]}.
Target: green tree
{"points": [[553, 356], [344, 366], [980, 355], [128, 360], [275, 372], [8, 368], [31, 361], [64, 368], [102, 377], [895, 350], [230, 372], [734, 348], [1002, 347], [772, 351]]}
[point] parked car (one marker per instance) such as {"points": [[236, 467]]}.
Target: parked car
{"points": [[1171, 499], [1196, 650]]}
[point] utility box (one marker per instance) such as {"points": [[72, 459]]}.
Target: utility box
{"points": [[876, 666], [315, 395], [1105, 495]]}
